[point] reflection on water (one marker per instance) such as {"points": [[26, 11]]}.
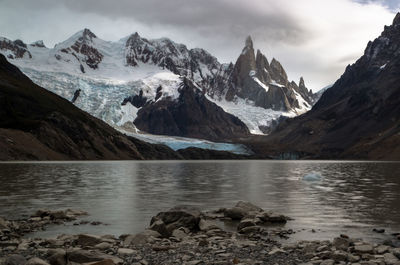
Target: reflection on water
{"points": [[352, 197]]}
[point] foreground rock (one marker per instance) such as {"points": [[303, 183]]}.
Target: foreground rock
{"points": [[15, 229], [188, 236]]}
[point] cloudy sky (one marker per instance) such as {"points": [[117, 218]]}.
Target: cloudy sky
{"points": [[312, 38]]}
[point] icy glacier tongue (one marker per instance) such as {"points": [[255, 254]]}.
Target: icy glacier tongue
{"points": [[103, 97], [177, 143]]}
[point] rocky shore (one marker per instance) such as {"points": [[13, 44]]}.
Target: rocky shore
{"points": [[184, 236]]}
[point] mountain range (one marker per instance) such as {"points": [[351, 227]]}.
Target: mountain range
{"points": [[161, 87], [130, 82]]}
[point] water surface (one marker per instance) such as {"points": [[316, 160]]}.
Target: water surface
{"points": [[352, 197]]}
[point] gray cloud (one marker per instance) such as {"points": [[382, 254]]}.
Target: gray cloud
{"points": [[312, 38]]}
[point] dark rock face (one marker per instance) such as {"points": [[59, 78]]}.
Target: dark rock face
{"points": [[39, 44], [18, 48], [136, 100], [359, 116], [191, 115], [266, 84]]}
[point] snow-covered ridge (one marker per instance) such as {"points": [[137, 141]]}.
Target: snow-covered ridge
{"points": [[108, 72]]}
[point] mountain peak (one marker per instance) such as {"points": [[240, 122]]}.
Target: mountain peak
{"points": [[396, 20], [86, 33], [249, 42]]}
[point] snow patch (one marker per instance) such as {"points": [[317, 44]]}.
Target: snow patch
{"points": [[249, 114], [266, 88]]}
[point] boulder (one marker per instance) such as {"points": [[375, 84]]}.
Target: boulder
{"points": [[241, 210], [206, 225], [103, 246], [3, 224], [85, 256], [146, 236], [15, 260], [36, 261], [341, 243], [246, 223], [126, 251], [179, 234], [250, 229], [104, 262], [235, 213], [248, 206], [57, 257], [364, 249], [87, 240], [160, 227], [269, 217], [178, 217]]}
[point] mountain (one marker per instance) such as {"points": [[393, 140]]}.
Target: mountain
{"points": [[36, 124], [357, 118], [266, 84], [107, 78], [191, 115]]}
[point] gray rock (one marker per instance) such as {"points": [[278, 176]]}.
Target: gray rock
{"points": [[126, 251], [179, 217], [3, 224], [364, 249], [396, 252], [103, 246], [382, 249], [250, 229], [341, 243], [246, 223], [88, 240], [85, 256], [235, 213], [391, 259], [206, 225], [327, 262], [249, 207], [140, 239], [36, 261], [179, 234], [57, 257], [15, 260], [160, 227], [339, 255]]}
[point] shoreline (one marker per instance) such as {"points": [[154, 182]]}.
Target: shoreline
{"points": [[185, 236]]}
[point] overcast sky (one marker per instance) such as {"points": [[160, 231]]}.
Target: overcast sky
{"points": [[312, 38]]}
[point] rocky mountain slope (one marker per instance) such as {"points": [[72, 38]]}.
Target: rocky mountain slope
{"points": [[191, 115], [358, 117], [36, 124], [108, 74]]}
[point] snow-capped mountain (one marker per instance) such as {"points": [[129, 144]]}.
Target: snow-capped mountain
{"points": [[105, 78]]}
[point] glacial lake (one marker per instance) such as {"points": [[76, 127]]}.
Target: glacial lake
{"points": [[351, 197]]}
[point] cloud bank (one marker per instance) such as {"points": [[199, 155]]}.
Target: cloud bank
{"points": [[312, 38]]}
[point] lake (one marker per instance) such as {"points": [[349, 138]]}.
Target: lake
{"points": [[350, 197]]}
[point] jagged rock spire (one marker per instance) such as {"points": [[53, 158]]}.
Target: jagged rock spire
{"points": [[396, 20], [249, 42]]}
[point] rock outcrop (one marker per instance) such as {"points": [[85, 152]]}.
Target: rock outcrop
{"points": [[266, 84], [191, 115]]}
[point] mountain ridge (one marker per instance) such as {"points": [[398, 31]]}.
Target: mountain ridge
{"points": [[135, 65]]}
